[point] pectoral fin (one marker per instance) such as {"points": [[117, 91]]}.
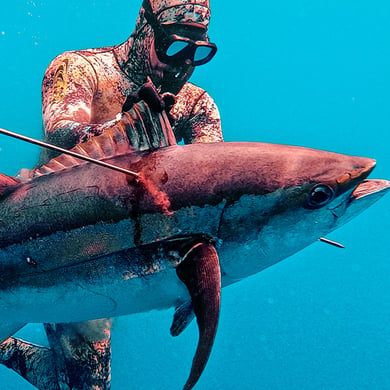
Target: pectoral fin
{"points": [[200, 272]]}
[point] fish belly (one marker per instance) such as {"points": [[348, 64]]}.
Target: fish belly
{"points": [[127, 282]]}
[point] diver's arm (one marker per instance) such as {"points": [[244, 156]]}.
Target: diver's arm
{"points": [[68, 90], [205, 121], [196, 116]]}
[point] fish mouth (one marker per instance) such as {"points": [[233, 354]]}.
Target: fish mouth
{"points": [[351, 180], [363, 196], [371, 187], [364, 187], [360, 192]]}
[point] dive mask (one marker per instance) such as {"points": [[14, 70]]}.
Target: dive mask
{"points": [[172, 49]]}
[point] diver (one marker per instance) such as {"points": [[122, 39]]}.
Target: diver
{"points": [[86, 92]]}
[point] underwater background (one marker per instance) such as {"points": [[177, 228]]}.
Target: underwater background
{"points": [[304, 72]]}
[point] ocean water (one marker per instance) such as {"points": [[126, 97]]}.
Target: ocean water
{"points": [[312, 73]]}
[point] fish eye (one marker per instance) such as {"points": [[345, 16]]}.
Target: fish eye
{"points": [[320, 195]]}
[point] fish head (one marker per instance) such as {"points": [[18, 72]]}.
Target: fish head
{"points": [[312, 192]]}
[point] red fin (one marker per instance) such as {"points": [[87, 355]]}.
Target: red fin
{"points": [[7, 184], [200, 272], [113, 142]]}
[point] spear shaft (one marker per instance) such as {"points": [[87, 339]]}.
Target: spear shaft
{"points": [[68, 152]]}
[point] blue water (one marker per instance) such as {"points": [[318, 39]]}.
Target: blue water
{"points": [[305, 72]]}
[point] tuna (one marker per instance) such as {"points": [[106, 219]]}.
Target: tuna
{"points": [[79, 241]]}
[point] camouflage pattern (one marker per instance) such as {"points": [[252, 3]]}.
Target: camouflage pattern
{"points": [[79, 357], [182, 11]]}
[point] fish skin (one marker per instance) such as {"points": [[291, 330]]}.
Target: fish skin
{"points": [[191, 175], [86, 242]]}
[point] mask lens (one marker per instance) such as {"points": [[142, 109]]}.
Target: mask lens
{"points": [[201, 53], [175, 48]]}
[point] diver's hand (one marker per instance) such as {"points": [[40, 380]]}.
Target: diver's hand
{"points": [[150, 95]]}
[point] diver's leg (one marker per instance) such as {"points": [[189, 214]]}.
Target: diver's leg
{"points": [[82, 353], [33, 362]]}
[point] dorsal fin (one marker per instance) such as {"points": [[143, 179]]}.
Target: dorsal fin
{"points": [[7, 184], [140, 129], [113, 142]]}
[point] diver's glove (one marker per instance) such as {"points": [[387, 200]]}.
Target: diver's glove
{"points": [[145, 120], [150, 95]]}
